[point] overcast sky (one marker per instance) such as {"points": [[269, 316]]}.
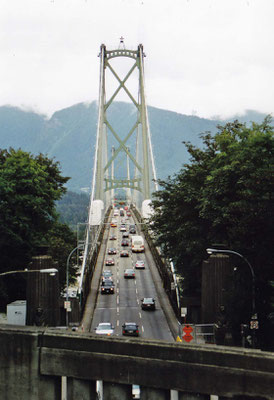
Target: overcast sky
{"points": [[203, 57]]}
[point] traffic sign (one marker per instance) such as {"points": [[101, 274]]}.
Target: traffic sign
{"points": [[66, 304], [187, 333]]}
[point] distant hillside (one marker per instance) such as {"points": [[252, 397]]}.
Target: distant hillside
{"points": [[69, 136]]}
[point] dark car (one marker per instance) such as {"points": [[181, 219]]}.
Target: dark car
{"points": [[130, 329], [109, 261], [106, 278], [129, 273], [124, 253], [132, 229], [112, 237], [107, 287], [112, 251], [124, 242], [148, 303]]}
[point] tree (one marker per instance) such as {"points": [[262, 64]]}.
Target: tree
{"points": [[29, 187], [224, 195]]}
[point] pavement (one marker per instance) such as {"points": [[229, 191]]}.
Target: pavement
{"points": [[92, 297]]}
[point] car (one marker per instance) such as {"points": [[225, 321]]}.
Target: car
{"points": [[132, 229], [125, 235], [128, 213], [148, 303], [129, 273], [106, 278], [116, 213], [107, 287], [122, 213], [107, 273], [124, 242], [124, 253], [112, 237], [130, 329], [104, 328], [109, 261], [112, 251], [123, 228], [113, 223], [140, 264]]}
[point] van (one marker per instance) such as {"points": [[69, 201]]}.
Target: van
{"points": [[137, 244]]}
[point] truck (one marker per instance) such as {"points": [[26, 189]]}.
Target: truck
{"points": [[137, 244]]}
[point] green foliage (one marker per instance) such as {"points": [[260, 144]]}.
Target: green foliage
{"points": [[224, 195], [73, 208], [61, 242], [29, 187]]}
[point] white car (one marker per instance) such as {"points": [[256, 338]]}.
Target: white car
{"points": [[140, 264], [105, 328]]}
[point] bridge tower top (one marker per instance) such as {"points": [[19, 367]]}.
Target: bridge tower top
{"points": [[123, 155]]}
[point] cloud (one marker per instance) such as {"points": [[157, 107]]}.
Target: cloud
{"points": [[213, 56]]}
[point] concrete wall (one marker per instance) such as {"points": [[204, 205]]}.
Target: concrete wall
{"points": [[34, 359]]}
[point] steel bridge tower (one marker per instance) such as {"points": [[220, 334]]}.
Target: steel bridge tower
{"points": [[112, 147], [123, 155]]}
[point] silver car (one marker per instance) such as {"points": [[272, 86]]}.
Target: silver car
{"points": [[105, 328]]}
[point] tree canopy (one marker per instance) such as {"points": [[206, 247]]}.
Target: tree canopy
{"points": [[29, 188], [224, 195]]}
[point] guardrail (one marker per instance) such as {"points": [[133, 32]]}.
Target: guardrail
{"points": [[93, 252]]}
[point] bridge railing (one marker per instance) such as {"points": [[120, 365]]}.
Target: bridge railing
{"points": [[35, 361]]}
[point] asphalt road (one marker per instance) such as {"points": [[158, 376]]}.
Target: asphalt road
{"points": [[125, 304]]}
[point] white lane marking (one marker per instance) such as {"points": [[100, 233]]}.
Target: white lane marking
{"points": [[143, 329], [138, 302], [136, 291], [118, 322], [140, 315], [117, 299], [118, 310], [117, 290]]}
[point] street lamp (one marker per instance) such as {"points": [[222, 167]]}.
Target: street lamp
{"points": [[51, 271], [80, 246], [254, 314]]}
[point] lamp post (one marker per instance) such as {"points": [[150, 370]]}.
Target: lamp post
{"points": [[67, 279], [254, 314]]}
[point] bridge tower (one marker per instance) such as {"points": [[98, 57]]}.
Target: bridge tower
{"points": [[129, 144]]}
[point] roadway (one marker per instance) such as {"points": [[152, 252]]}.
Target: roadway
{"points": [[125, 304]]}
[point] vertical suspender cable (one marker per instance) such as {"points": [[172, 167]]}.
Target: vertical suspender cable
{"points": [[148, 129], [93, 183]]}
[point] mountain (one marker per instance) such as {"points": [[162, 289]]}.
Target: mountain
{"points": [[69, 136]]}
